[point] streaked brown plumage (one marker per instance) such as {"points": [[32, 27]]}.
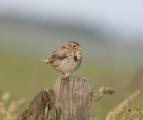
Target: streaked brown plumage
{"points": [[66, 59]]}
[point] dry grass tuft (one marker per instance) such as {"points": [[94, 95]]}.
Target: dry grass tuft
{"points": [[102, 92], [116, 113], [133, 113], [9, 108]]}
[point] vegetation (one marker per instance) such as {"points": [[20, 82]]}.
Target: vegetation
{"points": [[9, 109], [105, 64]]}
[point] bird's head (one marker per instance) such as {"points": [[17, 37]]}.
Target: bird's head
{"points": [[73, 46]]}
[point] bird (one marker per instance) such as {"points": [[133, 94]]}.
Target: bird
{"points": [[66, 59]]}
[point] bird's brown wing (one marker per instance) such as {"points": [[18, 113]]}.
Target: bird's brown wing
{"points": [[59, 54]]}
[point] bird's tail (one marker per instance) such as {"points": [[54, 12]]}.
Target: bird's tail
{"points": [[45, 61]]}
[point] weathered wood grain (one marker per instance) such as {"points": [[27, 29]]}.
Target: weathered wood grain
{"points": [[73, 98], [68, 100]]}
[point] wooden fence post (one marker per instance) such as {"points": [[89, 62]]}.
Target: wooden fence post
{"points": [[68, 100]]}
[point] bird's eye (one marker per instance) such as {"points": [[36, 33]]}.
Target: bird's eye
{"points": [[74, 46]]}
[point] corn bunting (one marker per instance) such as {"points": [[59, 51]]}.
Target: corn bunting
{"points": [[66, 59]]}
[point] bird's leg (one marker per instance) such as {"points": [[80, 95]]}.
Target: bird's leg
{"points": [[65, 76]]}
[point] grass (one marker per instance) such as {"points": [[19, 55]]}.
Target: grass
{"points": [[24, 76]]}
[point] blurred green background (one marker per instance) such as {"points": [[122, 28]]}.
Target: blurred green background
{"points": [[112, 53]]}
